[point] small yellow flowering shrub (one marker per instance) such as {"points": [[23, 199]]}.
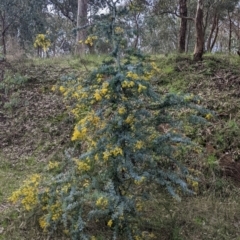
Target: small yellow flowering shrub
{"points": [[117, 114], [90, 39], [42, 42]]}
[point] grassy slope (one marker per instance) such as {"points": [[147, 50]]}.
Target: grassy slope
{"points": [[35, 128], [214, 213]]}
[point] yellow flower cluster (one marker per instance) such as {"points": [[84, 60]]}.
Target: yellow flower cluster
{"points": [[43, 223], [54, 88], [81, 129], [91, 118], [208, 116], [189, 97], [141, 88], [110, 223], [104, 89], [121, 110], [79, 134], [155, 67], [139, 206], [130, 119], [42, 42], [66, 231], [62, 89], [102, 202], [140, 181], [83, 166], [114, 152], [85, 183], [66, 187], [99, 77], [132, 75], [137, 237], [27, 193], [56, 211], [118, 30], [52, 165], [193, 184], [139, 145], [147, 76], [99, 94], [65, 91], [89, 41], [127, 84], [79, 93]]}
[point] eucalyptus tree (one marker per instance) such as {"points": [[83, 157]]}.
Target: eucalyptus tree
{"points": [[10, 11], [199, 44], [59, 32], [236, 28], [219, 12], [230, 6], [82, 20], [183, 10], [79, 13], [22, 19], [66, 8]]}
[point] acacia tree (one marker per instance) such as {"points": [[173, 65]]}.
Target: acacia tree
{"points": [[126, 156]]}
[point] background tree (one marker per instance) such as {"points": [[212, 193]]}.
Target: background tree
{"points": [[9, 14], [66, 8], [82, 20], [183, 26], [160, 26], [199, 44], [22, 20]]}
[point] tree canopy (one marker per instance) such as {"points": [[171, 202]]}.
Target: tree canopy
{"points": [[160, 26]]}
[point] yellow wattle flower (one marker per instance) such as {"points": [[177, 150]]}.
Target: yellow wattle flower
{"points": [[110, 223]]}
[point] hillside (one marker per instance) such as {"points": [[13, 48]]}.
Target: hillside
{"points": [[35, 128]]}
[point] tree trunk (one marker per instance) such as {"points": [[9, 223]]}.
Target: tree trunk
{"points": [[81, 21], [183, 26], [3, 34], [215, 37], [238, 30], [199, 44], [230, 33], [188, 36], [214, 26], [4, 51]]}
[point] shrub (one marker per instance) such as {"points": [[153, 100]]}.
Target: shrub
{"points": [[125, 155]]}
